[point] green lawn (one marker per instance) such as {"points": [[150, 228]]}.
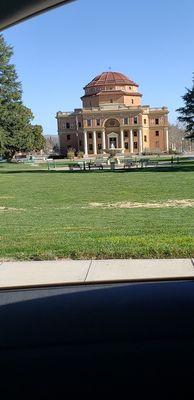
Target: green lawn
{"points": [[47, 215]]}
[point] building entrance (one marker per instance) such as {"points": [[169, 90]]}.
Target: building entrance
{"points": [[112, 142]]}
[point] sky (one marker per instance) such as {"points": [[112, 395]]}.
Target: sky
{"points": [[57, 53]]}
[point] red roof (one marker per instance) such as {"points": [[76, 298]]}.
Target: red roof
{"points": [[110, 78]]}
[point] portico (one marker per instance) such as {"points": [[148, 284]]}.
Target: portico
{"points": [[113, 141], [102, 140]]}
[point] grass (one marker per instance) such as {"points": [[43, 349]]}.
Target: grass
{"points": [[46, 214]]}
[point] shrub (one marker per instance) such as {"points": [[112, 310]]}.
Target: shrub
{"points": [[174, 151], [80, 154], [71, 153], [151, 152]]}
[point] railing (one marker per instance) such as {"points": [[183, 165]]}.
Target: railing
{"points": [[121, 162]]}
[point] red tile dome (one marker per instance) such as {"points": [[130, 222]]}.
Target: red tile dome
{"points": [[110, 78]]}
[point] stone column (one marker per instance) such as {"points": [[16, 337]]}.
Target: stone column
{"points": [[122, 139], [85, 143], [94, 142], [131, 141], [103, 141], [140, 141], [167, 141]]}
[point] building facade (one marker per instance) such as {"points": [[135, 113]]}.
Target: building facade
{"points": [[112, 117]]}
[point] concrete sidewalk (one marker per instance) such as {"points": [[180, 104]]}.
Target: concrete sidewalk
{"points": [[37, 273]]}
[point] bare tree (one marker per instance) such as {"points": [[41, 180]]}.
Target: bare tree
{"points": [[177, 141], [51, 145]]}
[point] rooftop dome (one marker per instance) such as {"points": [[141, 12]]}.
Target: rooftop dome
{"points": [[110, 78]]}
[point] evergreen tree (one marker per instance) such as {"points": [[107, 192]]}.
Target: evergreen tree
{"points": [[187, 112], [36, 140], [16, 131], [2, 141]]}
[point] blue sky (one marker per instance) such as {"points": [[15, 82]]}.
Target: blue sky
{"points": [[58, 52]]}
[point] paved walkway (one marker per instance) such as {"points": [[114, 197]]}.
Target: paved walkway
{"points": [[35, 273]]}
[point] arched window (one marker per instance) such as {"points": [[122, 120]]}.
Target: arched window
{"points": [[112, 123]]}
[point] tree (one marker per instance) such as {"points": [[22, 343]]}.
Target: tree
{"points": [[51, 144], [16, 132], [38, 140], [176, 134], [187, 112], [56, 148], [10, 88], [2, 141]]}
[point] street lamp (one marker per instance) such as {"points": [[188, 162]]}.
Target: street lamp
{"points": [[77, 141], [182, 143]]}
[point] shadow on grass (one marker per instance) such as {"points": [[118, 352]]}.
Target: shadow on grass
{"points": [[170, 168]]}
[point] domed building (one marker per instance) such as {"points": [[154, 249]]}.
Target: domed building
{"points": [[112, 117]]}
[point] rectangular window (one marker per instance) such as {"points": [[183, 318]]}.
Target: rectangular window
{"points": [[89, 122], [79, 124], [99, 146], [126, 134], [144, 121], [67, 125], [135, 120], [145, 138], [135, 133], [68, 137], [157, 133], [91, 147], [80, 142], [99, 135], [126, 121], [126, 145], [135, 145], [98, 122], [90, 135], [157, 121], [132, 101]]}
